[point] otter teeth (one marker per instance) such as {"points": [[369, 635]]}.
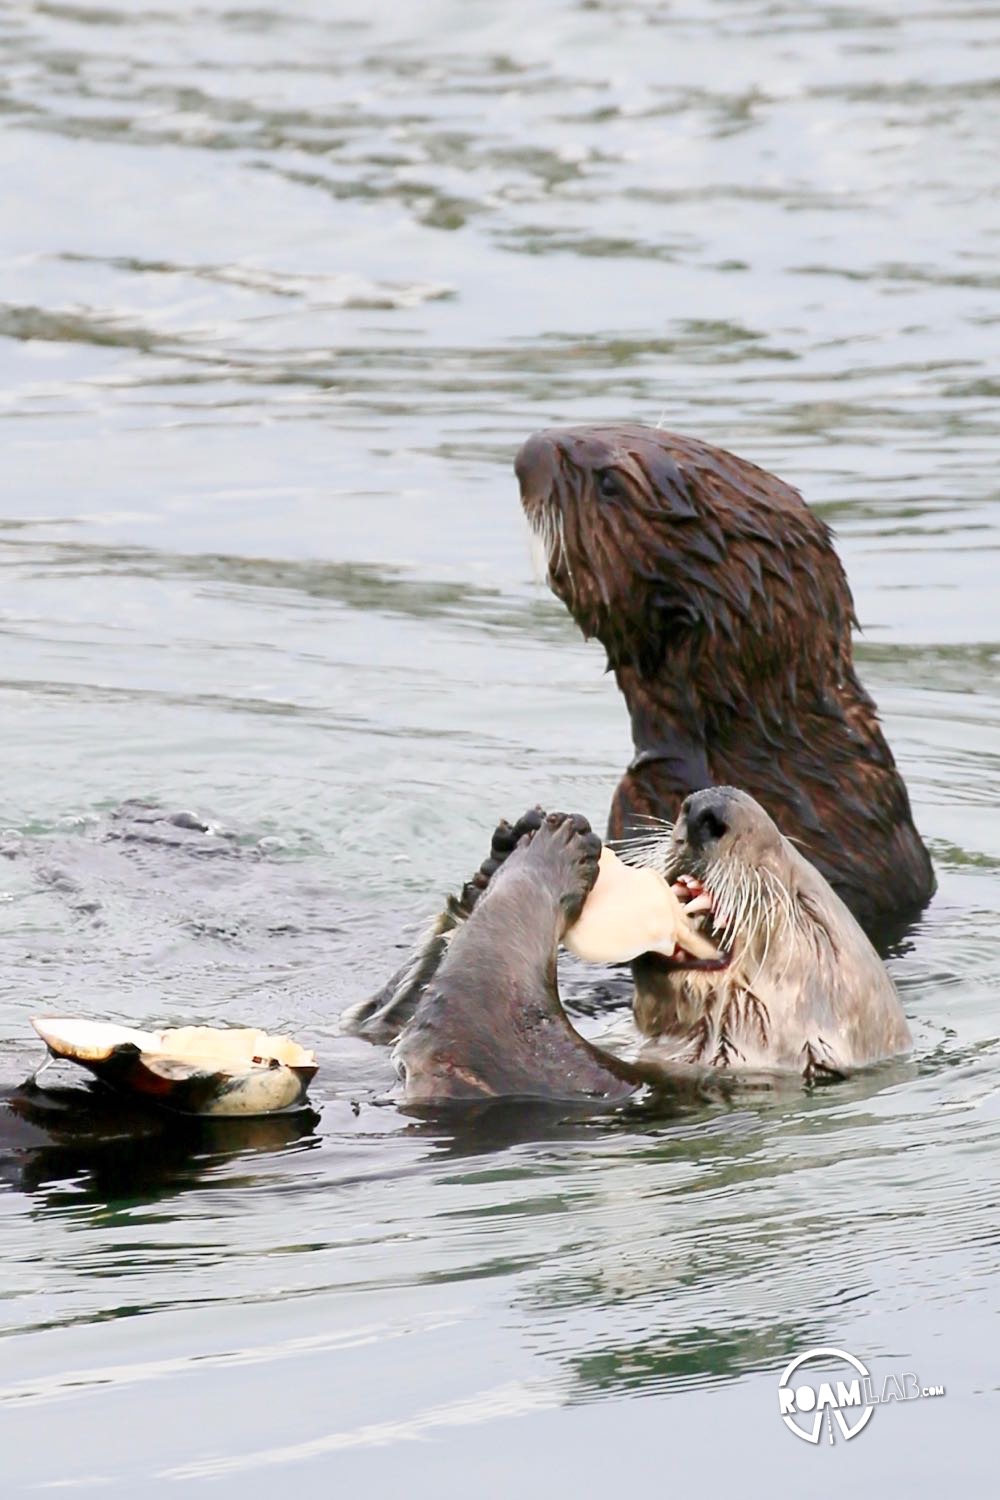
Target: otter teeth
{"points": [[694, 895], [702, 902]]}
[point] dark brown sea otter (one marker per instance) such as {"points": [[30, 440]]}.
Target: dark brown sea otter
{"points": [[726, 618]]}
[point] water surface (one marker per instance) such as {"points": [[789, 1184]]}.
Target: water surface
{"points": [[283, 289]]}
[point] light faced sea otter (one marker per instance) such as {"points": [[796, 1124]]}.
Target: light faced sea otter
{"points": [[800, 988]]}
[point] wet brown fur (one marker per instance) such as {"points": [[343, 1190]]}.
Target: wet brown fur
{"points": [[726, 617]]}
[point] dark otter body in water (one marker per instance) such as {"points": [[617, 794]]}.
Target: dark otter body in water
{"points": [[726, 618], [488, 1022], [475, 1011]]}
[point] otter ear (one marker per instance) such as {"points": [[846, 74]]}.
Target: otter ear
{"points": [[666, 478]]}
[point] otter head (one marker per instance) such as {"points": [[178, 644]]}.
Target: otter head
{"points": [[792, 947], [672, 553], [733, 869], [616, 521]]}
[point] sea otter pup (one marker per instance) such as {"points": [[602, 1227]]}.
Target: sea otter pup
{"points": [[726, 618], [795, 986]]}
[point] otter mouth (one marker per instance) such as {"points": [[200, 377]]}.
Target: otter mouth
{"points": [[701, 911]]}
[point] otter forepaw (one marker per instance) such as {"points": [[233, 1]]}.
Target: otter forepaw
{"points": [[568, 846], [506, 837]]}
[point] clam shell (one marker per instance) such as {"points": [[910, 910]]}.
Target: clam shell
{"points": [[196, 1070], [632, 910]]}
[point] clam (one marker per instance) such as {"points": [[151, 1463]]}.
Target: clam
{"points": [[197, 1070], [632, 910]]}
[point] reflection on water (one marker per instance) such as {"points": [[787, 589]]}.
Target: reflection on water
{"points": [[283, 290], [95, 1146]]}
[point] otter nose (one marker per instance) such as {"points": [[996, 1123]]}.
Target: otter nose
{"points": [[706, 817], [535, 466]]}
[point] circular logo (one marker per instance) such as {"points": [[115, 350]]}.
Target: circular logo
{"points": [[805, 1399]]}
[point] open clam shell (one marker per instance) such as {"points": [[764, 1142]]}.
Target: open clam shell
{"points": [[198, 1070], [632, 910]]}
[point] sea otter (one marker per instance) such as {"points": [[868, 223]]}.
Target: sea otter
{"points": [[801, 987], [795, 986], [726, 618]]}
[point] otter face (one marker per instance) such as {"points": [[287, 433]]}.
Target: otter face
{"points": [[724, 826], [728, 861], [802, 987], [660, 546], [623, 541]]}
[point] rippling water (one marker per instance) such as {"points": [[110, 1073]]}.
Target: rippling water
{"points": [[283, 289]]}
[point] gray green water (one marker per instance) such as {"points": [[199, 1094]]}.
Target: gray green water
{"points": [[282, 290]]}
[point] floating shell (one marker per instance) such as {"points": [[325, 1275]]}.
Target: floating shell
{"points": [[196, 1070], [632, 910]]}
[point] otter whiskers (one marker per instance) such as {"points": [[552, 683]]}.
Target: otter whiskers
{"points": [[649, 849], [751, 905], [548, 542], [754, 906]]}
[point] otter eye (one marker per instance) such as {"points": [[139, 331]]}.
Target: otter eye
{"points": [[608, 484]]}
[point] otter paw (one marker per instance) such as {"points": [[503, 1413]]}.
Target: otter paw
{"points": [[567, 845], [506, 837]]}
